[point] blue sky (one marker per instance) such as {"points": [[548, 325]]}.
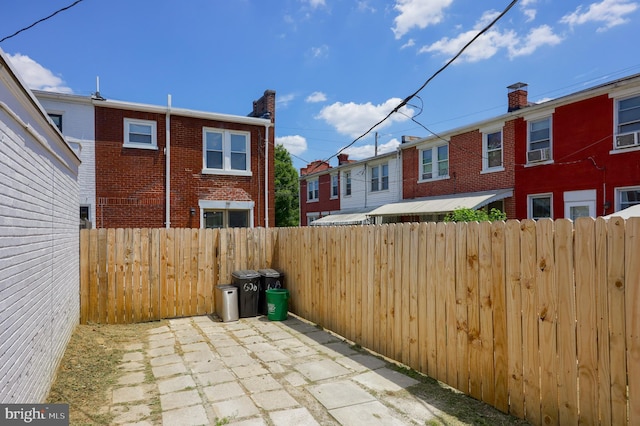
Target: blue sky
{"points": [[337, 66]]}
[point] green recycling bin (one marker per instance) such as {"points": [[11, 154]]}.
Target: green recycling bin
{"points": [[277, 304]]}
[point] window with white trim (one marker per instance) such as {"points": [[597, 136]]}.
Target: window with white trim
{"points": [[627, 197], [140, 134], [492, 151], [334, 186], [226, 219], [627, 122], [434, 162], [313, 190], [539, 140], [540, 206], [226, 151], [347, 183], [57, 120], [379, 177]]}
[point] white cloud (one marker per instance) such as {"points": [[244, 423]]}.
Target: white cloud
{"points": [[367, 151], [417, 13], [36, 76], [538, 37], [316, 3], [283, 100], [296, 144], [354, 119], [320, 51], [316, 97], [409, 43], [607, 12], [530, 14], [364, 6]]}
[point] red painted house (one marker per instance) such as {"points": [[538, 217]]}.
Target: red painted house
{"points": [[319, 191], [579, 155], [158, 166]]}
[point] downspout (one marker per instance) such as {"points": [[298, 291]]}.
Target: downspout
{"points": [[167, 154], [266, 175]]}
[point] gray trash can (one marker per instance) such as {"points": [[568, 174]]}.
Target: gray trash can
{"points": [[248, 282], [227, 302], [269, 279]]}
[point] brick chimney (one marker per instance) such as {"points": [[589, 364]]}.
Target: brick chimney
{"points": [[265, 105], [517, 96], [314, 166], [343, 159]]}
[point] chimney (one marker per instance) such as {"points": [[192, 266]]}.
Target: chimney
{"points": [[265, 107], [517, 96], [343, 159], [407, 139], [314, 166]]}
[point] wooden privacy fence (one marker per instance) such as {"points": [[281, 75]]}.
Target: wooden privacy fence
{"points": [[539, 319]]}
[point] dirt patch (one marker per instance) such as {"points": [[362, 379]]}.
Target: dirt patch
{"points": [[89, 369]]}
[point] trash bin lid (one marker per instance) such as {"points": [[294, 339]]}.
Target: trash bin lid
{"points": [[245, 274], [226, 287], [271, 273]]}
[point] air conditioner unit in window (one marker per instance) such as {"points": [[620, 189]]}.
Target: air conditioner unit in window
{"points": [[536, 155], [626, 140]]}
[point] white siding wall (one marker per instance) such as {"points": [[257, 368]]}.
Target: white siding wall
{"points": [[361, 195], [78, 126], [39, 240]]}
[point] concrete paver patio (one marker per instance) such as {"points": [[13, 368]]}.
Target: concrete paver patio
{"points": [[257, 372]]}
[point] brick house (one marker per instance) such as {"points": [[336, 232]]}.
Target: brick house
{"points": [[158, 166]]}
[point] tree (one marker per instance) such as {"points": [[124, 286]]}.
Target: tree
{"points": [[465, 214], [286, 186]]}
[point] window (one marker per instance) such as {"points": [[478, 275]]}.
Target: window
{"points": [[380, 177], [540, 206], [226, 219], [434, 162], [140, 134], [347, 184], [334, 186], [628, 123], [492, 151], [539, 140], [627, 197], [226, 152], [57, 120], [312, 190]]}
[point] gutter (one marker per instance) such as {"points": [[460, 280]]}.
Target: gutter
{"points": [[266, 174]]}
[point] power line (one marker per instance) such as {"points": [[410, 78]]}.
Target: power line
{"points": [[445, 66], [41, 20]]}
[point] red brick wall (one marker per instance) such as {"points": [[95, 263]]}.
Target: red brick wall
{"points": [[324, 204], [131, 182]]}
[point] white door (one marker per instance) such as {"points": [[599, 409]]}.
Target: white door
{"points": [[579, 204]]}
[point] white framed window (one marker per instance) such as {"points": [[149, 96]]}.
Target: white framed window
{"points": [[434, 162], [627, 119], [347, 184], [540, 206], [226, 152], [627, 197], [335, 188], [379, 177], [313, 190], [57, 120], [226, 214], [311, 217], [141, 134], [539, 140], [579, 204], [492, 157]]}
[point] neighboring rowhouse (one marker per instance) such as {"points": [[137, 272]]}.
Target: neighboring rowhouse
{"points": [[579, 155], [345, 195], [158, 166], [39, 262]]}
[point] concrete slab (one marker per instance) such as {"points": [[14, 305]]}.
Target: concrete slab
{"points": [[319, 337], [168, 370], [256, 421], [165, 359], [132, 356], [132, 366], [361, 363], [200, 356], [274, 400], [223, 391], [196, 347], [174, 400], [260, 347], [161, 336], [214, 377], [320, 370], [385, 380], [293, 417], [270, 356], [237, 361], [249, 371], [252, 339], [260, 383], [161, 351], [235, 408], [340, 394], [371, 413], [175, 384], [130, 413], [295, 379], [232, 351], [128, 394], [206, 366], [187, 416], [169, 341], [134, 378], [159, 330]]}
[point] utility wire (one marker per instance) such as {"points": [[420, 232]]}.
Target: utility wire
{"points": [[445, 66], [41, 20]]}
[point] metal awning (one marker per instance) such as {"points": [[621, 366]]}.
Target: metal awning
{"points": [[344, 217], [442, 203]]}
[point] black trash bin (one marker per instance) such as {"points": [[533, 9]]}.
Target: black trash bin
{"points": [[269, 279], [248, 283]]}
